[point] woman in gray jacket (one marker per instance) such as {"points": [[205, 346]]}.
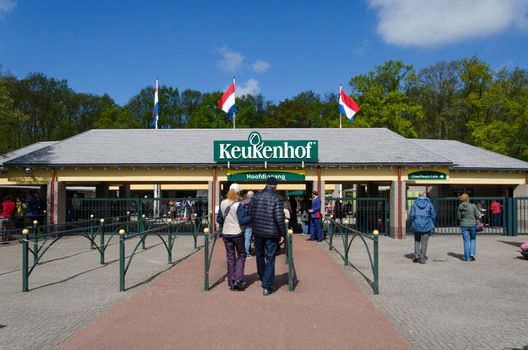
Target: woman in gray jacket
{"points": [[468, 214]]}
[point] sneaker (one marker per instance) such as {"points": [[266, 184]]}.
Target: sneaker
{"points": [[473, 258], [266, 292], [239, 286], [249, 256], [415, 260], [422, 261]]}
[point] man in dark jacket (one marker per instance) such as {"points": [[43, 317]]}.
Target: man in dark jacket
{"points": [[269, 230], [422, 218]]}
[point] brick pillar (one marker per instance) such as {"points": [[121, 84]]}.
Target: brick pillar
{"points": [[393, 215]]}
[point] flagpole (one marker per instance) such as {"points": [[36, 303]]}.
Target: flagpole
{"points": [[234, 114], [338, 108], [157, 187], [157, 117]]}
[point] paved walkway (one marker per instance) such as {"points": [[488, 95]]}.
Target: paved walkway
{"points": [[448, 303], [326, 311]]}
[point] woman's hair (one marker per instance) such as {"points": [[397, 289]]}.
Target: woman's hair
{"points": [[464, 197], [232, 195]]}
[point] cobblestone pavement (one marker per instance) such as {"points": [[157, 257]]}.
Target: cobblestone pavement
{"points": [[448, 303], [70, 288]]}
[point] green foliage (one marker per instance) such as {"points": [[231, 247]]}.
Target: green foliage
{"points": [[461, 100], [382, 95]]}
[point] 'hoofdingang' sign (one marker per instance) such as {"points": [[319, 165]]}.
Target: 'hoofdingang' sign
{"points": [[256, 150]]}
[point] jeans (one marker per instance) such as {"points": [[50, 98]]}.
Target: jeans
{"points": [[469, 234], [248, 232], [495, 220], [304, 225], [265, 251], [236, 258], [315, 225], [420, 244]]}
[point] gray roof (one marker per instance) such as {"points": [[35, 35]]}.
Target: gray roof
{"points": [[466, 156], [25, 150], [165, 147]]}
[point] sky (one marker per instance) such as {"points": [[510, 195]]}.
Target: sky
{"points": [[277, 48]]}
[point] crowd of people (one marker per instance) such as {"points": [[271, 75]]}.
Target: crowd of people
{"points": [[264, 218], [19, 212]]}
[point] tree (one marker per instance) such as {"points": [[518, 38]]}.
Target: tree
{"points": [[437, 90], [382, 95], [11, 119]]}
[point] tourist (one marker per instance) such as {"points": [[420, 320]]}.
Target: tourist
{"points": [[269, 231], [231, 215], [315, 218], [468, 214], [422, 217]]}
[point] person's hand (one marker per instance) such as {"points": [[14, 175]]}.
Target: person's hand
{"points": [[281, 240]]}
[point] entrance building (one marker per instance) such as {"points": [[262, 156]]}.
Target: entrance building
{"points": [[356, 164]]}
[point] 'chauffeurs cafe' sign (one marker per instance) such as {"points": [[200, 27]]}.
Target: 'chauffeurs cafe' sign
{"points": [[256, 150]]}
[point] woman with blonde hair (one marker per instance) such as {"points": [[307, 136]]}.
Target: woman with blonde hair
{"points": [[468, 214], [231, 215]]}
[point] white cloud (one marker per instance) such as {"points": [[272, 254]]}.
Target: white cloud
{"points": [[250, 87], [426, 23], [260, 66], [231, 61], [6, 6]]}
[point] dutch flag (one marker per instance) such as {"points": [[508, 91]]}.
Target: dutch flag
{"points": [[347, 106], [155, 110], [227, 102]]}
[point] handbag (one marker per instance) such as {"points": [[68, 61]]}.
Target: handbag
{"points": [[479, 226]]}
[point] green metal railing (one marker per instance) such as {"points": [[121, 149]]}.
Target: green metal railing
{"points": [[348, 234], [38, 239], [362, 214], [520, 216], [289, 260], [166, 230], [494, 224], [210, 238], [174, 208]]}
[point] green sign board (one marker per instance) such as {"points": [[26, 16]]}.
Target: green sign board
{"points": [[256, 150], [427, 175], [263, 175]]}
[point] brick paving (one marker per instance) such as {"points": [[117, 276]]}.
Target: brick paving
{"points": [[448, 303], [444, 304], [70, 289], [326, 311]]}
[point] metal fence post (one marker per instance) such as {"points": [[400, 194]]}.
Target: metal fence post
{"points": [[92, 237], [330, 233], [286, 241], [142, 230], [122, 260], [25, 274], [101, 243], [375, 236], [35, 242], [345, 241], [510, 217], [290, 260], [206, 255], [515, 202], [170, 241], [196, 230]]}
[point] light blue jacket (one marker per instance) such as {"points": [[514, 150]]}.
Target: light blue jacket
{"points": [[422, 216]]}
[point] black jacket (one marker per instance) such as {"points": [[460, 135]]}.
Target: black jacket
{"points": [[267, 211]]}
